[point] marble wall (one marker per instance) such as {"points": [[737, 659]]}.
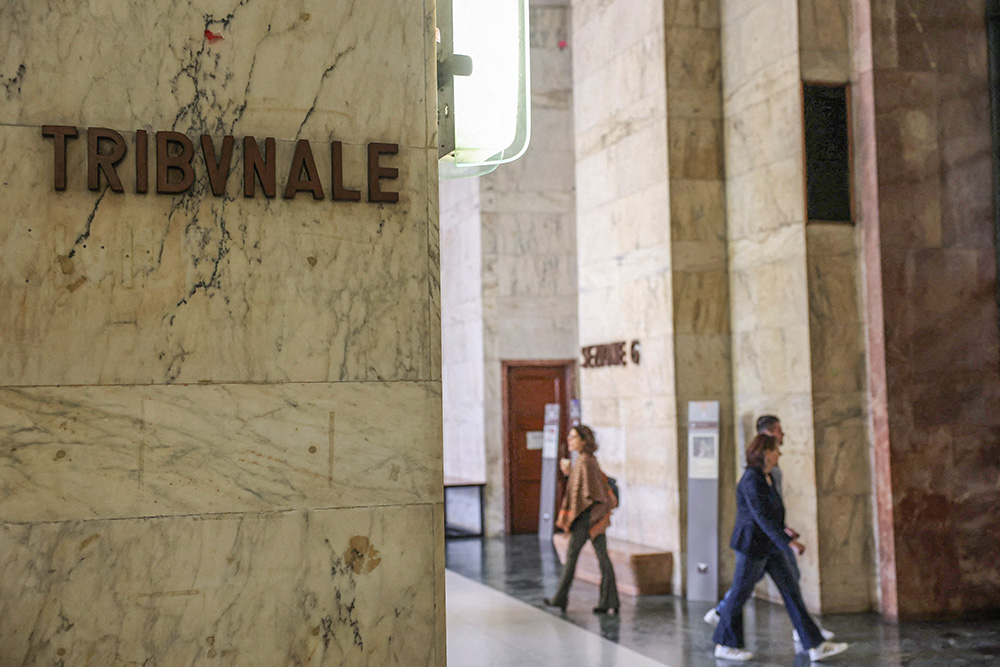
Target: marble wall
{"points": [[625, 258], [524, 275], [462, 330], [939, 369], [196, 458]]}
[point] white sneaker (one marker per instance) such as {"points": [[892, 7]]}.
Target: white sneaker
{"points": [[734, 654], [711, 617], [826, 650], [827, 634]]}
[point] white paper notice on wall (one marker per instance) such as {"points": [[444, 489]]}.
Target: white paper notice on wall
{"points": [[703, 440], [550, 446], [703, 456], [535, 439]]}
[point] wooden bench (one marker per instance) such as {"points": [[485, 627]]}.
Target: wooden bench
{"points": [[639, 570]]}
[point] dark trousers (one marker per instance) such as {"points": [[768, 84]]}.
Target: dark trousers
{"points": [[579, 533], [793, 567], [750, 570]]}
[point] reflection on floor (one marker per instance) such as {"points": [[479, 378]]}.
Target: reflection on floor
{"points": [[666, 629], [489, 629]]}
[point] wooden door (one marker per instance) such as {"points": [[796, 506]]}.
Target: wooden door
{"points": [[528, 386]]}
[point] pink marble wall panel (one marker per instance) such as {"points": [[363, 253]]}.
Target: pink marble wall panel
{"points": [[935, 254]]}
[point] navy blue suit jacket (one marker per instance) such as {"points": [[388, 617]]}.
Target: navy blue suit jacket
{"points": [[760, 517]]}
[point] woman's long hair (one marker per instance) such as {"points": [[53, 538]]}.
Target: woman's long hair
{"points": [[586, 434], [761, 444]]}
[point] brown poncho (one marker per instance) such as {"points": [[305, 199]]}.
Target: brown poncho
{"points": [[587, 487]]}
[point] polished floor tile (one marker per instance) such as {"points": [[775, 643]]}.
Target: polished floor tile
{"points": [[668, 630], [487, 628]]}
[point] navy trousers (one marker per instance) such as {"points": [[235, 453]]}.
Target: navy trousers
{"points": [[793, 566], [750, 570]]}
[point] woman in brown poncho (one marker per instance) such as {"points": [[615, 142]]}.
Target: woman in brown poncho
{"points": [[586, 514]]}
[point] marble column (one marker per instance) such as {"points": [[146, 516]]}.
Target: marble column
{"points": [[220, 414]]}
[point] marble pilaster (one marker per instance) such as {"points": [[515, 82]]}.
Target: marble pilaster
{"points": [[220, 414], [842, 452], [767, 246], [701, 291]]}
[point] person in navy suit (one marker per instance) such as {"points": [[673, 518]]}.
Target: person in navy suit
{"points": [[771, 425], [759, 539]]}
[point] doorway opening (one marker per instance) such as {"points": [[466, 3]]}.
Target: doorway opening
{"points": [[527, 387]]}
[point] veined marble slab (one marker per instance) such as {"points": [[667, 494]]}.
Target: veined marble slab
{"points": [[72, 453], [325, 587], [124, 288], [220, 416], [301, 68], [432, 341]]}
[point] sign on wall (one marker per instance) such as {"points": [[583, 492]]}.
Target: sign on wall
{"points": [[175, 156], [610, 354]]}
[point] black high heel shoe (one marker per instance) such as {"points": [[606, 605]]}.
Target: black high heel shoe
{"points": [[549, 603], [610, 611]]}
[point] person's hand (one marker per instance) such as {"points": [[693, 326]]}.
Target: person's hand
{"points": [[792, 533], [565, 465], [798, 546]]}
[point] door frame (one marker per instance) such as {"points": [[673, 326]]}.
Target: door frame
{"points": [[569, 384]]}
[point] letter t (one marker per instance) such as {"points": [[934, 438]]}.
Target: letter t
{"points": [[59, 133]]}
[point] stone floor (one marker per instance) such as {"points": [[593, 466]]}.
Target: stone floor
{"points": [[669, 630], [487, 628]]}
